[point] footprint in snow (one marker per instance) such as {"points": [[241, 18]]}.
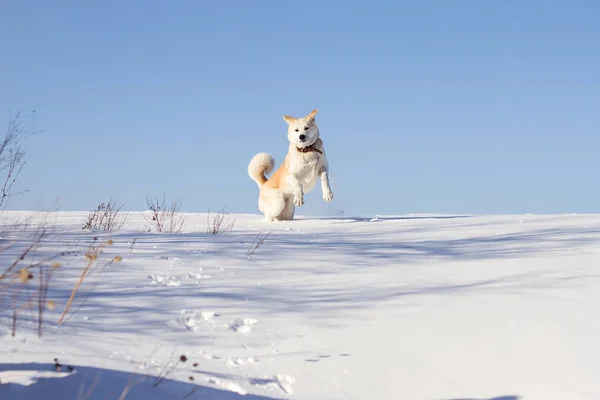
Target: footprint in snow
{"points": [[226, 384], [236, 362], [208, 356], [170, 280], [164, 280], [243, 325], [193, 320], [279, 381]]}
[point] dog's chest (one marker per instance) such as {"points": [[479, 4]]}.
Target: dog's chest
{"points": [[306, 167]]}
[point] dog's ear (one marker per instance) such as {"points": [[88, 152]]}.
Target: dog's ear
{"points": [[312, 114], [288, 119]]}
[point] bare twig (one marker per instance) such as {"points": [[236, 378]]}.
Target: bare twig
{"points": [[258, 241], [106, 217], [80, 306], [168, 369], [165, 218], [20, 258], [91, 260], [21, 225], [36, 241], [132, 245], [20, 273], [92, 257], [45, 273], [12, 157], [219, 223]]}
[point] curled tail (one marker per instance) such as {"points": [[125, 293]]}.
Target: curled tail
{"points": [[261, 164]]}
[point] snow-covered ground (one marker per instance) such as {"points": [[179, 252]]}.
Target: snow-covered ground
{"points": [[407, 307]]}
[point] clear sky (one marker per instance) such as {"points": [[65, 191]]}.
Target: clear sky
{"points": [[424, 106]]}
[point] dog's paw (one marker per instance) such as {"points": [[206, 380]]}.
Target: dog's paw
{"points": [[298, 200], [328, 196]]}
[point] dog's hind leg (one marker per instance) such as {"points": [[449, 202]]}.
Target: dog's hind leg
{"points": [[271, 202], [287, 213]]}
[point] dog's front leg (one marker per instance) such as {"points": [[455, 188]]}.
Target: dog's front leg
{"points": [[325, 188], [297, 191]]}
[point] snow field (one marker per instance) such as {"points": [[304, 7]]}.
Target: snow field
{"points": [[392, 307]]}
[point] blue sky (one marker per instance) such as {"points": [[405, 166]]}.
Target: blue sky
{"points": [[424, 106]]}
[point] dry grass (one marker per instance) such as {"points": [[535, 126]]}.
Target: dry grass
{"points": [[27, 275], [25, 283], [106, 217], [12, 157], [92, 257], [258, 241], [219, 223], [165, 218]]}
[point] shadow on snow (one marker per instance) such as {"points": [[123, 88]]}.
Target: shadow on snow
{"points": [[99, 384]]}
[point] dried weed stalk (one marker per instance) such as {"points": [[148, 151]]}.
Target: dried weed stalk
{"points": [[92, 257], [164, 218], [12, 157], [219, 223], [17, 280], [258, 241], [106, 217], [168, 369]]}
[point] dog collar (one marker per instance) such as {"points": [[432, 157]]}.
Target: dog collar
{"points": [[308, 149]]}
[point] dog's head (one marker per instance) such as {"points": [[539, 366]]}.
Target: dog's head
{"points": [[302, 132]]}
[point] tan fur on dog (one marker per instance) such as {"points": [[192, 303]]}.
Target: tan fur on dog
{"points": [[304, 164]]}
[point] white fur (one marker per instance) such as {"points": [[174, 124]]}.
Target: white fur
{"points": [[261, 162]]}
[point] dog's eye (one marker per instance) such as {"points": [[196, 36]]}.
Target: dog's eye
{"points": [[296, 129], [306, 128]]}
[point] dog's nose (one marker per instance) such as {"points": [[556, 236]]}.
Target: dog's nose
{"points": [[302, 137]]}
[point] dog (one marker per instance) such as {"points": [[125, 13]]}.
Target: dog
{"points": [[304, 164]]}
